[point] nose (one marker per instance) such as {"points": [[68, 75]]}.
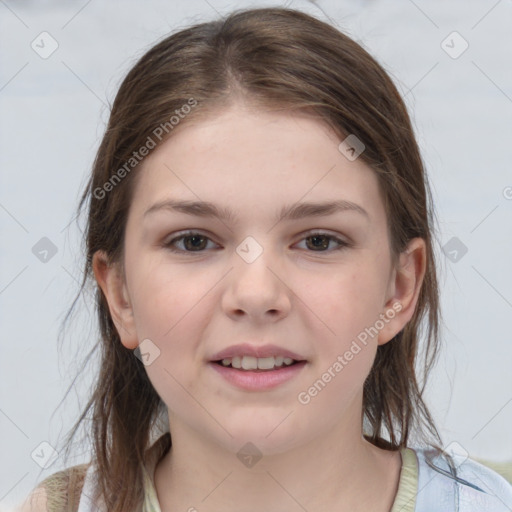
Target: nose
{"points": [[257, 289]]}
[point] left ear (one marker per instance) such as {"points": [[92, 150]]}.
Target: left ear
{"points": [[404, 289]]}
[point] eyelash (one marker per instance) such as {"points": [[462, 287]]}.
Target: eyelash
{"points": [[169, 245]]}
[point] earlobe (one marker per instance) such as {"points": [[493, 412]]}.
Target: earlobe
{"points": [[110, 279], [405, 286]]}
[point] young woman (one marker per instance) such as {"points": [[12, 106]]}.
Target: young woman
{"points": [[260, 231]]}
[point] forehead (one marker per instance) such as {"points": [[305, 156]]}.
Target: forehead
{"points": [[251, 160]]}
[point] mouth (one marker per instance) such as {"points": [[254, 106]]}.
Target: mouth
{"points": [[257, 364], [257, 374]]}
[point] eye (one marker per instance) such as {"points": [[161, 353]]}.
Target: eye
{"points": [[321, 240], [194, 241]]}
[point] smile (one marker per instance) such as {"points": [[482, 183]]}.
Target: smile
{"points": [[256, 363], [257, 379]]}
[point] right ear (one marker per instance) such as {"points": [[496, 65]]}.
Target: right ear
{"points": [[111, 281]]}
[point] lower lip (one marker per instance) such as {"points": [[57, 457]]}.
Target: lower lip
{"points": [[258, 380]]}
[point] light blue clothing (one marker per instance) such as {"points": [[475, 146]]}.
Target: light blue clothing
{"points": [[460, 485]]}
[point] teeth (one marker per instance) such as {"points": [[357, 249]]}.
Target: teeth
{"points": [[249, 363], [253, 363], [265, 363]]}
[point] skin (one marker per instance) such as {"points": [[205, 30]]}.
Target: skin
{"points": [[312, 301]]}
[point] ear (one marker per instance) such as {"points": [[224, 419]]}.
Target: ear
{"points": [[403, 290], [111, 281]]}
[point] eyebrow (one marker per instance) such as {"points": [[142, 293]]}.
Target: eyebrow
{"points": [[293, 212]]}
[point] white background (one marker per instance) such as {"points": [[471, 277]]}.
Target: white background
{"points": [[52, 118]]}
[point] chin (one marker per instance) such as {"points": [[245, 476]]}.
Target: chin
{"points": [[267, 436]]}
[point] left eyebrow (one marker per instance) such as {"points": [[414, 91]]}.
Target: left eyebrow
{"points": [[293, 212]]}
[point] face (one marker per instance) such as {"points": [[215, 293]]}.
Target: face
{"points": [[317, 285]]}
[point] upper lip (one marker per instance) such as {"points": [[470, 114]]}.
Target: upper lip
{"points": [[246, 349]]}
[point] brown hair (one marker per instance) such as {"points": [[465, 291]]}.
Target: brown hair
{"points": [[272, 57]]}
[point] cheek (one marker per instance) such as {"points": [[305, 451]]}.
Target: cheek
{"points": [[336, 391], [165, 299], [348, 303], [172, 319], [173, 307]]}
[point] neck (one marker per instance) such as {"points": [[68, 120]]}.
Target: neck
{"points": [[323, 474]]}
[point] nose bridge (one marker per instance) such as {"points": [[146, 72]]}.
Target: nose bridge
{"points": [[251, 250], [253, 257], [254, 285]]}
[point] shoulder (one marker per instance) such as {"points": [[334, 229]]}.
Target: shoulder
{"points": [[59, 492], [446, 482], [36, 501]]}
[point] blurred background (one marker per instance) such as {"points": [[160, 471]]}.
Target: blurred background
{"points": [[62, 62]]}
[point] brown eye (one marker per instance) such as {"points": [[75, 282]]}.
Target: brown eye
{"points": [[319, 242], [192, 242], [196, 242]]}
